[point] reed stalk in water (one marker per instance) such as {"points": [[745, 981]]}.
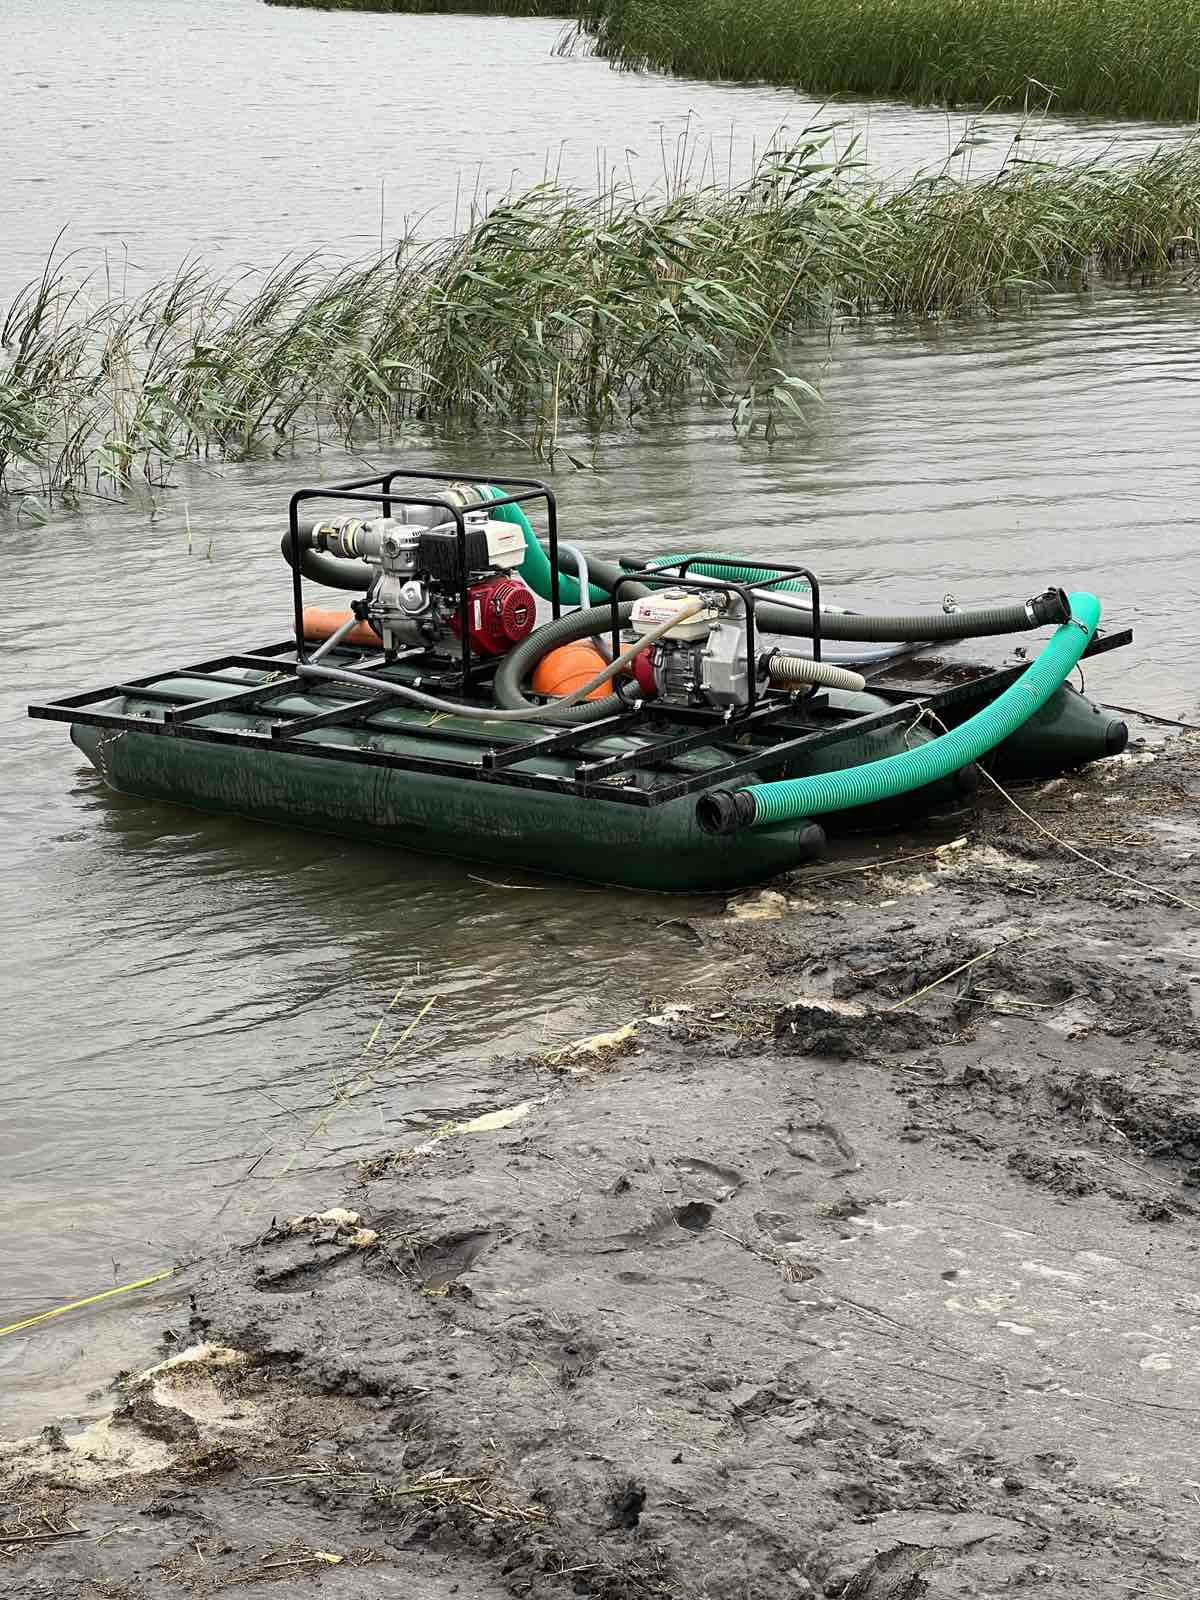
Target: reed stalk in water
{"points": [[555, 306], [1128, 58]]}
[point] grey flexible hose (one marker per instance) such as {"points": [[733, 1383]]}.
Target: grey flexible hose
{"points": [[583, 577], [898, 628], [529, 712], [520, 661], [336, 572], [579, 557], [335, 638]]}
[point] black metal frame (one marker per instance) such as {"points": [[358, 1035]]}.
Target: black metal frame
{"points": [[380, 491], [768, 732], [602, 778]]}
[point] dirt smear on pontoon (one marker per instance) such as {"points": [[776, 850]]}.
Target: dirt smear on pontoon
{"points": [[834, 1275]]}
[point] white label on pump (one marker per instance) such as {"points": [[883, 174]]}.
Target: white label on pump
{"points": [[506, 544], [652, 609]]}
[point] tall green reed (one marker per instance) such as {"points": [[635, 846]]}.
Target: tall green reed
{"points": [[487, 8], [1129, 58], [554, 306]]}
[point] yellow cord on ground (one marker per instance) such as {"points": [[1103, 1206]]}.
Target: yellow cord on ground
{"points": [[92, 1300]]}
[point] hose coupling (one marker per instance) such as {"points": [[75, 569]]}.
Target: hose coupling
{"points": [[1052, 606], [725, 810]]}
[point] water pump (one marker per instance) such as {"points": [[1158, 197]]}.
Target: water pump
{"points": [[415, 596], [701, 654], [701, 660]]}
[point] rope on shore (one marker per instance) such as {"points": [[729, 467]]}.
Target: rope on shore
{"points": [[90, 1300], [1065, 844], [1152, 716]]}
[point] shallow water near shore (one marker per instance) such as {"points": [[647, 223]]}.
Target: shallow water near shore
{"points": [[892, 1280], [181, 996]]}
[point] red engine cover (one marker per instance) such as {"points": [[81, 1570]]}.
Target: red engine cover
{"points": [[500, 613], [643, 672]]}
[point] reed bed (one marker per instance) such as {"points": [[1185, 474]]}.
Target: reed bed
{"points": [[483, 8], [1127, 58], [553, 308]]}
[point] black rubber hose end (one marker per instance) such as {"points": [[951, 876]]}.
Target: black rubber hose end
{"points": [[966, 781], [335, 572], [1116, 737], [1052, 606], [725, 811], [810, 837]]}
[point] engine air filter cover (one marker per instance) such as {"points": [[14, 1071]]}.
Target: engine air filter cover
{"points": [[438, 556], [490, 545], [500, 613]]}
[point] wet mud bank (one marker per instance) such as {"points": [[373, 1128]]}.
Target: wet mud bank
{"points": [[865, 1268]]}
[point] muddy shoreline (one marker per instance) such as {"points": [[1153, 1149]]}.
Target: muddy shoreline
{"points": [[835, 1275]]}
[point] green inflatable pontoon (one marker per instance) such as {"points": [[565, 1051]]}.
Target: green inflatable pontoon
{"points": [[679, 723]]}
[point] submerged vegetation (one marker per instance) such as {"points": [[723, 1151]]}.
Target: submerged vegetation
{"points": [[553, 307], [1132, 58]]}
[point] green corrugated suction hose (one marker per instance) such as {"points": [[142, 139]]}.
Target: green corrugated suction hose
{"points": [[535, 568], [712, 564], [769, 803]]}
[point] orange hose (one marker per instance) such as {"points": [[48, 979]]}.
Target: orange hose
{"points": [[320, 624]]}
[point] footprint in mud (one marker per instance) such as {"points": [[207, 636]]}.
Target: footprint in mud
{"points": [[715, 1181], [695, 1215], [563, 1343], [299, 1277], [574, 1357], [436, 1263], [767, 1410], [789, 1206], [671, 1224], [822, 1142], [782, 1228]]}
